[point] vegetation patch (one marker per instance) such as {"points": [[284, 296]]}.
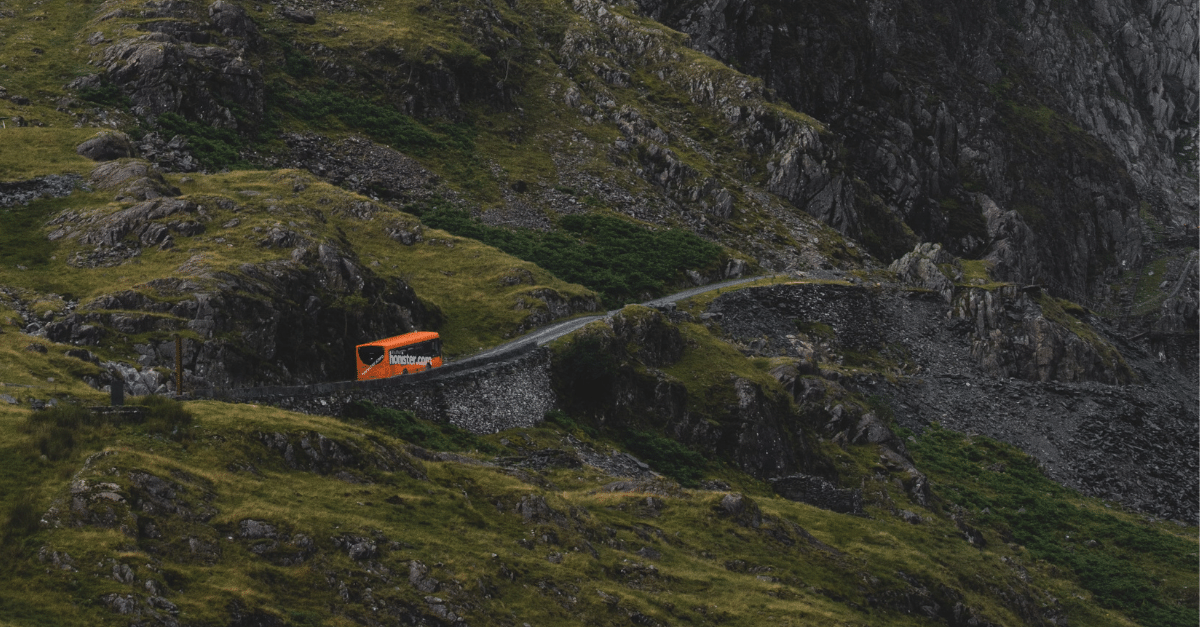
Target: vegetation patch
{"points": [[214, 147], [1069, 316], [331, 108], [1145, 570], [31, 152], [622, 261], [708, 369], [667, 456], [405, 425], [58, 431]]}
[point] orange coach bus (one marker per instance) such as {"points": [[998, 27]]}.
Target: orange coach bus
{"points": [[411, 352]]}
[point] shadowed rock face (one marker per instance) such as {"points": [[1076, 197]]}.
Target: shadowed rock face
{"points": [[1028, 133], [190, 61], [1003, 371]]}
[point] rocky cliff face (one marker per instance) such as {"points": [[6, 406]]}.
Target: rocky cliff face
{"points": [[612, 374], [992, 364], [1028, 134]]}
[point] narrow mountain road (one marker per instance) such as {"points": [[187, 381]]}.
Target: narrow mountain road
{"points": [[554, 331]]}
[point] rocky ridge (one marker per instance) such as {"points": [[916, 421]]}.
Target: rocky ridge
{"points": [[938, 107], [1099, 433]]}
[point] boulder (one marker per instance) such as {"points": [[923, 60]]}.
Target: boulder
{"points": [[299, 16], [107, 146], [133, 180], [231, 20], [742, 509], [920, 268]]}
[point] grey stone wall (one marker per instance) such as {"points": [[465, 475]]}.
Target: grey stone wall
{"points": [[512, 390]]}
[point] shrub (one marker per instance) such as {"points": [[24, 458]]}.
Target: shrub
{"points": [[619, 259], [57, 431], [106, 94], [666, 456], [374, 118], [164, 416], [216, 148]]}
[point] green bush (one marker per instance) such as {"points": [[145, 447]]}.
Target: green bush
{"points": [[617, 258], [666, 456], [106, 94], [215, 148], [375, 118], [405, 425], [164, 416]]}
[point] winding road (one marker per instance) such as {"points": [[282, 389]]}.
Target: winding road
{"points": [[504, 352], [554, 331]]}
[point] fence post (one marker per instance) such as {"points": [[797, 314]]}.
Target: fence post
{"points": [[117, 390]]}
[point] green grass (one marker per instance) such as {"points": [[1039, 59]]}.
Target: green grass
{"points": [[976, 271], [32, 374], [621, 260], [461, 523], [708, 369], [1129, 565], [30, 152], [470, 281], [1147, 297]]}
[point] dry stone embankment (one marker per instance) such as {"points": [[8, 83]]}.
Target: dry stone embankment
{"points": [[485, 396]]}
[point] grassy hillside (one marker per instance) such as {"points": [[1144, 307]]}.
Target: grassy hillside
{"points": [[478, 169], [365, 535]]}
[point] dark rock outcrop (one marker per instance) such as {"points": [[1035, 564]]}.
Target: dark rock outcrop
{"points": [[178, 66], [818, 492], [132, 180], [1012, 337], [920, 268], [980, 127], [1132, 443], [361, 166], [106, 147]]}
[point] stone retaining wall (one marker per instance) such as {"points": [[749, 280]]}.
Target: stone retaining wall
{"points": [[507, 391]]}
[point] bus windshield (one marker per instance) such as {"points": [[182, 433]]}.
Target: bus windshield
{"points": [[370, 354]]}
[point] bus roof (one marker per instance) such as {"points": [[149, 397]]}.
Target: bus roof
{"points": [[404, 340]]}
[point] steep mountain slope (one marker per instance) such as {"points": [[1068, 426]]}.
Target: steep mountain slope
{"points": [[1072, 114], [938, 187]]}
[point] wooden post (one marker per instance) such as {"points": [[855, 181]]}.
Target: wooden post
{"points": [[178, 365], [117, 389]]}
